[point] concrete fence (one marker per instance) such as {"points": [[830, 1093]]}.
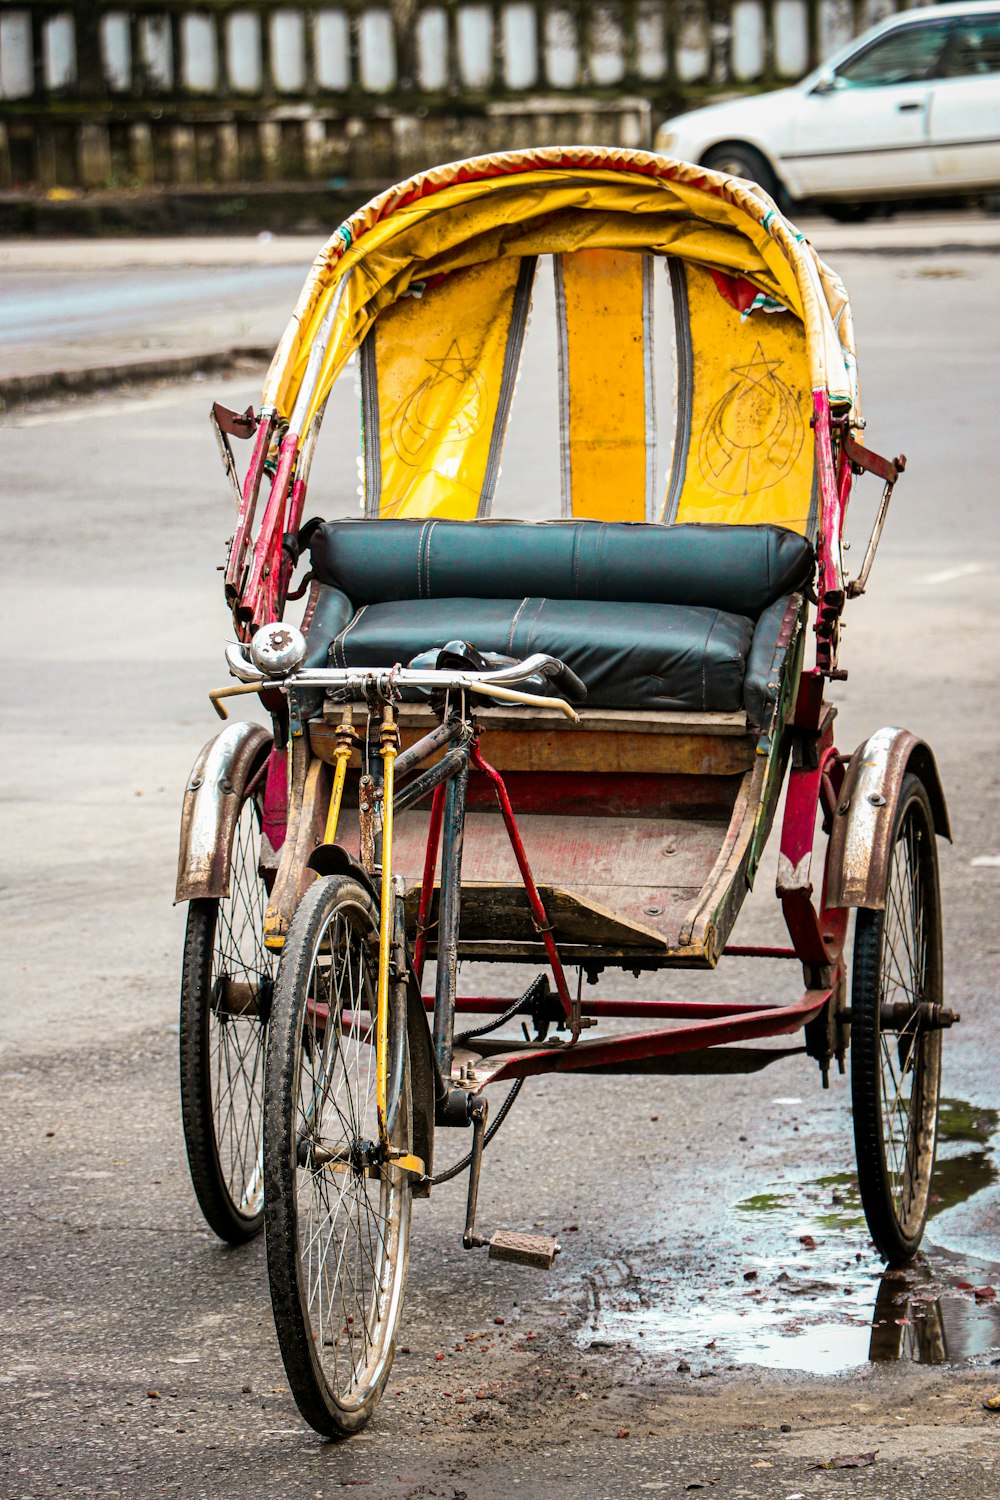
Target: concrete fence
{"points": [[216, 92]]}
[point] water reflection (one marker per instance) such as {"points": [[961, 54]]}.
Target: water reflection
{"points": [[938, 1311], [815, 1296]]}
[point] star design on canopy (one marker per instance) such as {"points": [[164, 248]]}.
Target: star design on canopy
{"points": [[759, 370], [454, 365]]}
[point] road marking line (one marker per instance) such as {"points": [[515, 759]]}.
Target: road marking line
{"points": [[986, 862], [949, 575]]}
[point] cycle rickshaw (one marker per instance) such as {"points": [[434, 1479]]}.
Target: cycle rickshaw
{"points": [[558, 745]]}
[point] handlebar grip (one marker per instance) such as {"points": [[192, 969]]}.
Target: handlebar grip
{"points": [[565, 680]]}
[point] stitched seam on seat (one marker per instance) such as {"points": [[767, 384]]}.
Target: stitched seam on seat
{"points": [[423, 560], [341, 638], [427, 558], [528, 647], [513, 627]]}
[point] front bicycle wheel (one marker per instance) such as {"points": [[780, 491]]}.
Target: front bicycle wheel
{"points": [[226, 987], [895, 1049], [337, 1213]]}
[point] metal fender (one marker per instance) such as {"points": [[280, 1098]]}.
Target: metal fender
{"points": [[211, 802], [858, 855]]}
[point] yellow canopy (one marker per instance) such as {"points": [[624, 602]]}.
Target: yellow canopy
{"points": [[552, 201]]}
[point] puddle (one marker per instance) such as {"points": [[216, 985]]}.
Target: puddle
{"points": [[795, 1284]]}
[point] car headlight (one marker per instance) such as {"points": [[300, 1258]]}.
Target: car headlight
{"points": [[666, 140]]}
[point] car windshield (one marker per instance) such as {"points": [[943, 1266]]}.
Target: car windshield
{"points": [[905, 56]]}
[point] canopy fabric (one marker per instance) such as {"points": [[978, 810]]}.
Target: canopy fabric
{"points": [[744, 452], [437, 377], [606, 389], [551, 201]]}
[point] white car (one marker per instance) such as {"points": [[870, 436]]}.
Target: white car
{"points": [[911, 107]]}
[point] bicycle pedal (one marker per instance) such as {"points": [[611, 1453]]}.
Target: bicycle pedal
{"points": [[538, 1250]]}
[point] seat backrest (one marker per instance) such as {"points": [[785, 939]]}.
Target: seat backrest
{"points": [[739, 569]]}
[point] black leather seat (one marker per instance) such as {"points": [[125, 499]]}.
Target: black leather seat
{"points": [[680, 617]]}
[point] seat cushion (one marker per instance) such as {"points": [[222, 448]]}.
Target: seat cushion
{"points": [[629, 655], [740, 570]]}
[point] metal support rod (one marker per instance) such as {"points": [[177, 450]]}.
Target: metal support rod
{"points": [[449, 765], [449, 914], [443, 735], [531, 890], [427, 885], [470, 1239], [857, 585]]}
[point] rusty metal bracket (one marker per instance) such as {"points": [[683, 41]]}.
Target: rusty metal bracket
{"points": [[866, 461], [235, 424], [227, 424]]}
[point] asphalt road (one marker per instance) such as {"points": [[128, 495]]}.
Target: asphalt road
{"points": [[137, 1354]]}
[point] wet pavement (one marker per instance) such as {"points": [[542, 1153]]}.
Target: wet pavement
{"points": [[802, 1298]]}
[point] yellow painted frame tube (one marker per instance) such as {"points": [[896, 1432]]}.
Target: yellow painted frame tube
{"points": [[389, 738], [341, 756]]}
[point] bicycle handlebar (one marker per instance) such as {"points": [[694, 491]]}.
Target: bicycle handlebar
{"points": [[498, 682]]}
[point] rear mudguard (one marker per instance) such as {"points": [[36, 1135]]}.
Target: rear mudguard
{"points": [[425, 1077], [861, 836], [212, 800]]}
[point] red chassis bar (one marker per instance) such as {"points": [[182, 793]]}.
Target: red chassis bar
{"points": [[692, 1010], [754, 1022], [750, 1021]]}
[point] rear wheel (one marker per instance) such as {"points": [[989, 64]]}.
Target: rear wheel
{"points": [[226, 984], [337, 1214], [740, 160], [895, 1054]]}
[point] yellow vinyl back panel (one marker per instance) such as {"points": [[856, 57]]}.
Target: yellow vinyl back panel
{"points": [[607, 414], [437, 375], [744, 452]]}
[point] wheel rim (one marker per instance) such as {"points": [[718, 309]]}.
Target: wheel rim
{"points": [[734, 166], [241, 983], [909, 1053], [350, 1207]]}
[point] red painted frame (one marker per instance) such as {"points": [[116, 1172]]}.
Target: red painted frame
{"points": [[817, 933]]}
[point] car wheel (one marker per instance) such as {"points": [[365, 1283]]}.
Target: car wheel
{"points": [[848, 213], [740, 160]]}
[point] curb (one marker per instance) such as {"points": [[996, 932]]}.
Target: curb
{"points": [[17, 390]]}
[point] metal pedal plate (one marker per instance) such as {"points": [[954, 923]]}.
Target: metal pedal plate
{"points": [[538, 1250]]}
